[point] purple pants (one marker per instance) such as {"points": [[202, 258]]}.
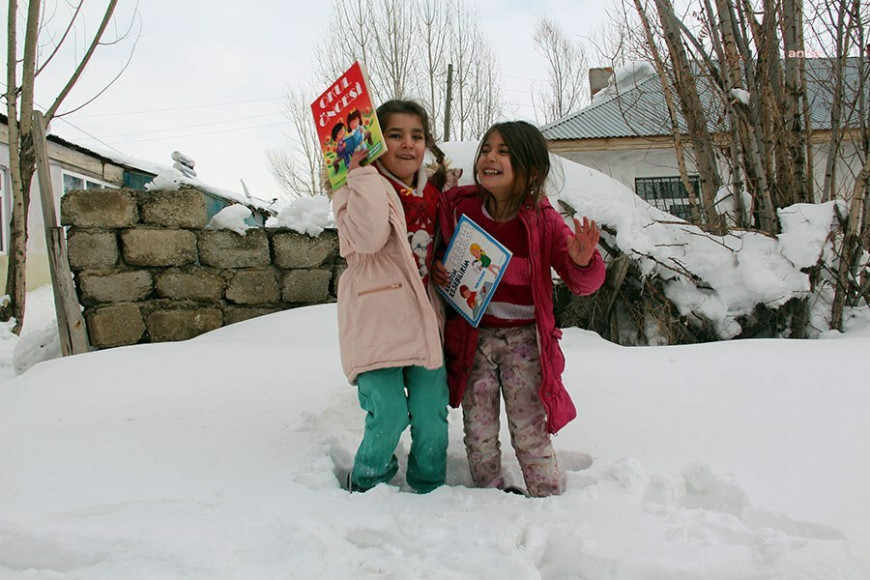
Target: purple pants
{"points": [[507, 363]]}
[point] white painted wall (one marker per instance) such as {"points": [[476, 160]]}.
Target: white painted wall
{"points": [[626, 165]]}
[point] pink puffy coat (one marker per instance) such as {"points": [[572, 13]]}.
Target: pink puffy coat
{"points": [[548, 248], [386, 317]]}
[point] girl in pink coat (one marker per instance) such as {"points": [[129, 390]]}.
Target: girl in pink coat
{"points": [[388, 316], [514, 354]]}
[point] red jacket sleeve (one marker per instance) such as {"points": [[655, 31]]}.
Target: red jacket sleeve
{"points": [[581, 280]]}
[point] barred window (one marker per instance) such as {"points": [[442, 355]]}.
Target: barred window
{"points": [[667, 194]]}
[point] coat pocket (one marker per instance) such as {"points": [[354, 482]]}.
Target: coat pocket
{"points": [[381, 288], [385, 314]]}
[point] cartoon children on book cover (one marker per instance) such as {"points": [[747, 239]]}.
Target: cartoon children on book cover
{"points": [[475, 262], [346, 121]]}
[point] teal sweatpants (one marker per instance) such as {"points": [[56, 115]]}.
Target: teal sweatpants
{"points": [[394, 398]]}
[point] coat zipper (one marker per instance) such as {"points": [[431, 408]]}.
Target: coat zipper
{"points": [[392, 286]]}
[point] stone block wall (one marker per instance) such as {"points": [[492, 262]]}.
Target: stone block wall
{"points": [[146, 270]]}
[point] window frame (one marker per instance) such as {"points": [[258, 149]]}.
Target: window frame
{"points": [[85, 181], [667, 199]]}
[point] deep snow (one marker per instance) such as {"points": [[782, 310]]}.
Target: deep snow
{"points": [[218, 458]]}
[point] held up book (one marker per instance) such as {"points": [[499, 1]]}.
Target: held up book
{"points": [[475, 262], [346, 121]]}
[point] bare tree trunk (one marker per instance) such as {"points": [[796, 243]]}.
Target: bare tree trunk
{"points": [[19, 106], [795, 98], [672, 114], [693, 112], [762, 145], [830, 180], [728, 54], [22, 159], [851, 248]]}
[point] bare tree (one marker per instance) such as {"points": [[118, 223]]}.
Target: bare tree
{"points": [[476, 83], [566, 72], [622, 40], [380, 34], [434, 34], [693, 110], [838, 29], [406, 48], [738, 69], [20, 107], [299, 170]]}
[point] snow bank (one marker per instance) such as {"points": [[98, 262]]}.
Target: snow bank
{"points": [[221, 456]]}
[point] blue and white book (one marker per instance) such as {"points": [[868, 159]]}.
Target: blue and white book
{"points": [[475, 262]]}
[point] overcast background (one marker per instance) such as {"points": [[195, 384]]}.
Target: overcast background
{"points": [[209, 81]]}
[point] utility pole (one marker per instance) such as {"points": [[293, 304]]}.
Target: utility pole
{"points": [[447, 102]]}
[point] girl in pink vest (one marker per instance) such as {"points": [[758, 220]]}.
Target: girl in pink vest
{"points": [[514, 353]]}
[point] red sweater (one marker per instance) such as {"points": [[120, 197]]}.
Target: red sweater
{"points": [[420, 205], [511, 304]]}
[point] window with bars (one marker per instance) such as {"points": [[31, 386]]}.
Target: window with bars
{"points": [[667, 193]]}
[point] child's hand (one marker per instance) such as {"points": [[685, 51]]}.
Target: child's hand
{"points": [[453, 176], [356, 159], [439, 273], [581, 244]]}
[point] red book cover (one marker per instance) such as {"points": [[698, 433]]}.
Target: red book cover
{"points": [[346, 121]]}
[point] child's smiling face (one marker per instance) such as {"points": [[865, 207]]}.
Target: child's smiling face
{"points": [[406, 145], [494, 170]]}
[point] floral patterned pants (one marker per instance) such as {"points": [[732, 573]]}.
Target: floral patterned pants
{"points": [[507, 363]]}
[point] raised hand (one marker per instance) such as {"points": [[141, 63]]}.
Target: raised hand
{"points": [[356, 159], [453, 176], [581, 244]]}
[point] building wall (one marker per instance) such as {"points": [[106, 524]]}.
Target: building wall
{"points": [[624, 165], [630, 159], [62, 159]]}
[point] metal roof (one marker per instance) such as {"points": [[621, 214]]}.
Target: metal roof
{"points": [[640, 110]]}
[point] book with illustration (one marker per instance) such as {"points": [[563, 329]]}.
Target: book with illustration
{"points": [[346, 120], [475, 263]]}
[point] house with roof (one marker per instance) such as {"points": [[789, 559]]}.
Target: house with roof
{"points": [[626, 133], [73, 167]]}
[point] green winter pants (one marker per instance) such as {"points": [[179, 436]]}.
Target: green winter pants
{"points": [[394, 398]]}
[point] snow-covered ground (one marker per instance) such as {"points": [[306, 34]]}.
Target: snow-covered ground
{"points": [[217, 458], [220, 457]]}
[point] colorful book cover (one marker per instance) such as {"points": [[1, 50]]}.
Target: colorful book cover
{"points": [[475, 262], [346, 121]]}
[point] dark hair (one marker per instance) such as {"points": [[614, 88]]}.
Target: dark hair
{"points": [[354, 114], [530, 160], [408, 107], [338, 126]]}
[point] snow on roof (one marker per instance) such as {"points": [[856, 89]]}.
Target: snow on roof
{"points": [[633, 105], [171, 177]]}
